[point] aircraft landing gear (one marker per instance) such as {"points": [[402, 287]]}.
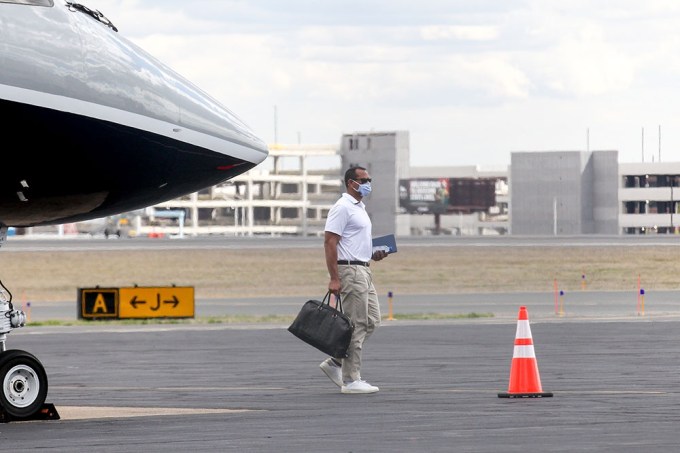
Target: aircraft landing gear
{"points": [[24, 384], [22, 377]]}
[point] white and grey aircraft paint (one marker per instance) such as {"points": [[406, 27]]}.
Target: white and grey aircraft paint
{"points": [[92, 126]]}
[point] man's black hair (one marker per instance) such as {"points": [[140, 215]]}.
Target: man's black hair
{"points": [[351, 174]]}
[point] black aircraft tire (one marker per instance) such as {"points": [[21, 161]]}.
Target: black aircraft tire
{"points": [[24, 384]]}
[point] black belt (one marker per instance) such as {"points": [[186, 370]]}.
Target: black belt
{"points": [[353, 263]]}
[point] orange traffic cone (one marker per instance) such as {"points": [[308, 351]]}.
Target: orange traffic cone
{"points": [[525, 382]]}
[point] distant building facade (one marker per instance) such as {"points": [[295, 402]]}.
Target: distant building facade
{"points": [[564, 193], [649, 196]]}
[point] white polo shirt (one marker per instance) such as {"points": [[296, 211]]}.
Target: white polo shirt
{"points": [[349, 220]]}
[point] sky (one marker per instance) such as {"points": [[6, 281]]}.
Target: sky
{"points": [[470, 80]]}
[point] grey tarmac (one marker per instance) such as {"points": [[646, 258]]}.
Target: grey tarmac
{"points": [[256, 388]]}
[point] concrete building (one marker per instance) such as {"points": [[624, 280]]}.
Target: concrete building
{"points": [[564, 193]]}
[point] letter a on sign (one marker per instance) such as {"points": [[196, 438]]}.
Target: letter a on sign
{"points": [[99, 304]]}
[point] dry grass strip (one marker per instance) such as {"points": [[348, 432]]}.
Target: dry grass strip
{"points": [[48, 276]]}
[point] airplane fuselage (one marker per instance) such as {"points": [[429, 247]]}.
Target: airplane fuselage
{"points": [[92, 125]]}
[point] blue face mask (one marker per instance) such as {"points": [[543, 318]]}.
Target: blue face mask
{"points": [[364, 189]]}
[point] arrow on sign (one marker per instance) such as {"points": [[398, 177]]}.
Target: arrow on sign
{"points": [[174, 301], [134, 302]]}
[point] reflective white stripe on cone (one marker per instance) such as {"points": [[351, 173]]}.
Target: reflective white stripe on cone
{"points": [[525, 381]]}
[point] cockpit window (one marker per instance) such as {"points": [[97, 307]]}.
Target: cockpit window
{"points": [[30, 2]]}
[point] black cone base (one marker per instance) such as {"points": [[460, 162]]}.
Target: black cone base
{"points": [[525, 395]]}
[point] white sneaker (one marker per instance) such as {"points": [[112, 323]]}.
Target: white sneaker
{"points": [[332, 370], [359, 386]]}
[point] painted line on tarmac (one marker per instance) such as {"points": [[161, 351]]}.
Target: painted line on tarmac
{"points": [[94, 412], [163, 389]]}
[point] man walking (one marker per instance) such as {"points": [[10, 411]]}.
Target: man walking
{"points": [[348, 247]]}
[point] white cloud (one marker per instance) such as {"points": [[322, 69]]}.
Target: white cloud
{"points": [[585, 64], [464, 32], [496, 76]]}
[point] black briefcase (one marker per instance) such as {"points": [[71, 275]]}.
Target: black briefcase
{"points": [[326, 328]]}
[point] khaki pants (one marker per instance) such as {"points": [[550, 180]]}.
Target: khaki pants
{"points": [[360, 303]]}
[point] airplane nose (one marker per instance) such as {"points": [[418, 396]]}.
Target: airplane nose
{"points": [[205, 122]]}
